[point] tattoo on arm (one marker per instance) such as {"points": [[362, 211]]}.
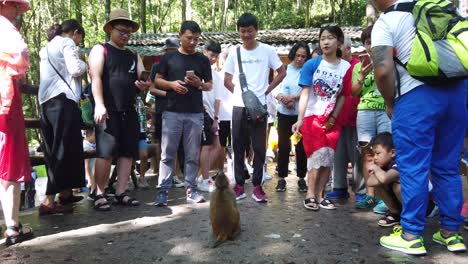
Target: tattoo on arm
{"points": [[379, 56]]}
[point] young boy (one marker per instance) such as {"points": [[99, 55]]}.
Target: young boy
{"points": [[384, 176]]}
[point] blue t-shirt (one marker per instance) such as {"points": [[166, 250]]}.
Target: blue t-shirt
{"points": [[290, 86]]}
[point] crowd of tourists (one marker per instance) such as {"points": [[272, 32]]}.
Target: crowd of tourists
{"points": [[340, 110]]}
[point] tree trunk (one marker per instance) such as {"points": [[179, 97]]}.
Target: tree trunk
{"points": [[184, 10], [189, 9], [143, 16], [78, 12], [371, 14], [107, 9], [213, 15]]}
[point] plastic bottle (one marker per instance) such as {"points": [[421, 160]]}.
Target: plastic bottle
{"points": [[141, 114]]}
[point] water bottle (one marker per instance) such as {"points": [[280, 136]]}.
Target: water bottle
{"points": [[141, 114]]}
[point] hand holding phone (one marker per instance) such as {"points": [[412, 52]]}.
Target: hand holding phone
{"points": [[144, 76], [365, 59]]}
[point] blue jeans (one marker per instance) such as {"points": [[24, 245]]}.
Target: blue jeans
{"points": [[370, 123], [175, 126], [428, 127]]}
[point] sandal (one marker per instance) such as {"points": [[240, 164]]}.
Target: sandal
{"points": [[389, 220], [125, 199], [102, 206], [22, 236], [311, 204], [327, 204]]}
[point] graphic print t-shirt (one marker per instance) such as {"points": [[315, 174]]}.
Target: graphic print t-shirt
{"points": [[326, 85]]}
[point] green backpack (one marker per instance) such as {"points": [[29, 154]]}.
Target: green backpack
{"points": [[440, 48]]}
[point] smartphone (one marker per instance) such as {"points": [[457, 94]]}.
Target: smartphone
{"points": [[144, 76], [189, 73], [365, 59]]}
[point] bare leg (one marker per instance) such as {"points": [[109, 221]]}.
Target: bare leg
{"points": [[394, 206], [205, 161], [143, 163], [216, 153], [323, 176], [124, 166], [312, 176], [10, 193], [367, 161], [102, 172]]}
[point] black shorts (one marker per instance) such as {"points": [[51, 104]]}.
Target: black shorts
{"points": [[118, 136], [207, 133], [158, 126], [225, 133]]}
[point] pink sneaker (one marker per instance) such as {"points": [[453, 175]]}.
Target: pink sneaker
{"points": [[239, 191], [259, 195]]}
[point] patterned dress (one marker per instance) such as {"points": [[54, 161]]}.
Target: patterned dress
{"points": [[14, 61]]}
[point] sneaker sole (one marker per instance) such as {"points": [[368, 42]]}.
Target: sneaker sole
{"points": [[194, 201], [280, 190], [259, 200], [404, 250], [302, 190], [240, 197], [449, 249], [388, 225], [160, 204], [379, 212]]}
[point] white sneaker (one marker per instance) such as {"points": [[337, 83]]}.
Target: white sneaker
{"points": [[266, 176], [143, 183], [206, 186]]}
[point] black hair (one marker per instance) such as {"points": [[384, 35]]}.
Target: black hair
{"points": [[66, 27], [293, 51], [122, 22], [247, 20], [366, 34], [190, 25], [338, 33], [316, 50], [213, 46], [383, 139]]}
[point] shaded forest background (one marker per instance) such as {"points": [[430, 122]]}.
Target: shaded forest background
{"points": [[161, 16]]}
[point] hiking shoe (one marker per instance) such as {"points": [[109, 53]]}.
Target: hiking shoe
{"points": [[143, 183], [206, 186], [259, 195], [301, 185], [194, 196], [239, 191], [454, 242], [337, 194], [366, 202], [281, 186], [380, 208], [396, 241], [161, 198], [177, 183]]}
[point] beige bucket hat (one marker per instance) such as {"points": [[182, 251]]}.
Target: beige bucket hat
{"points": [[24, 5], [120, 14]]}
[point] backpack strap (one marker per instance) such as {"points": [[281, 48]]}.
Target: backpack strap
{"points": [[402, 7]]}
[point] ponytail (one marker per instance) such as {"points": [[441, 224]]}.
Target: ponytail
{"points": [[54, 31]]}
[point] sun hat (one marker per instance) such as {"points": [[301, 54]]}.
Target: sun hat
{"points": [[171, 43], [23, 7], [120, 14]]}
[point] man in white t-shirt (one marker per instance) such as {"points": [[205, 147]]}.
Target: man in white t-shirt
{"points": [[257, 60], [428, 125]]}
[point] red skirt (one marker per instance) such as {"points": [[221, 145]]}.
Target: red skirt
{"points": [[315, 137], [14, 153]]}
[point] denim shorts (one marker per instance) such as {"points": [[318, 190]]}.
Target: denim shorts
{"points": [[142, 145], [369, 123]]}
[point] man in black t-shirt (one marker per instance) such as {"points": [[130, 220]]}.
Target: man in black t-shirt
{"points": [[183, 74], [114, 73]]}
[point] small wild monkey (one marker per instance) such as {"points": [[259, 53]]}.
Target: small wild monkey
{"points": [[224, 214]]}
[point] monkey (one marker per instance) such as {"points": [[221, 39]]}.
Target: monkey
{"points": [[224, 214]]}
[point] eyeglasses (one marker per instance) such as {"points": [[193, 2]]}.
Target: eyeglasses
{"points": [[124, 33]]}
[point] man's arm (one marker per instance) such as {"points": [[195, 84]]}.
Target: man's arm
{"points": [[281, 73], [177, 86], [96, 67], [228, 82], [382, 59], [142, 85]]}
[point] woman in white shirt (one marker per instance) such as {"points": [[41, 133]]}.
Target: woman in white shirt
{"points": [[324, 83], [59, 95]]}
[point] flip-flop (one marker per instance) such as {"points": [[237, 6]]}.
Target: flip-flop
{"points": [[309, 201], [325, 204]]}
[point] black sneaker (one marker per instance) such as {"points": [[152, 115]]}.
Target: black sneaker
{"points": [[281, 187], [301, 185]]}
